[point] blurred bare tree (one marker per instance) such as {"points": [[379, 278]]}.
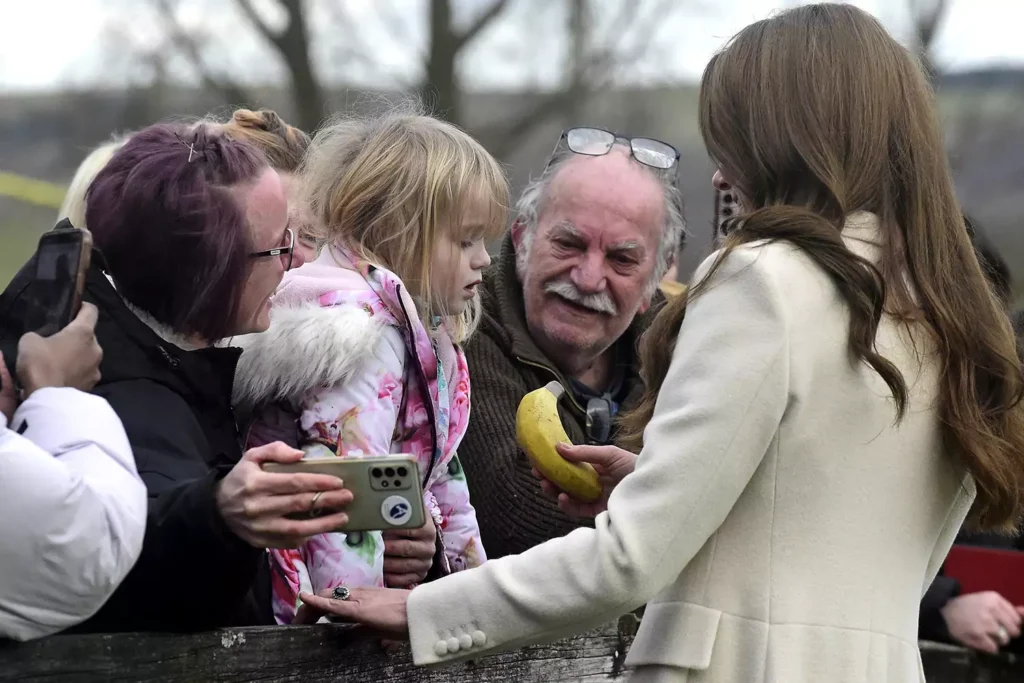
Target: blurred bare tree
{"points": [[926, 17], [598, 52]]}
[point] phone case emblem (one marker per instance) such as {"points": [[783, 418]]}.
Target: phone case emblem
{"points": [[396, 510]]}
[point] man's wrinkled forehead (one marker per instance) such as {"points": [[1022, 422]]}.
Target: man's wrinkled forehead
{"points": [[610, 189]]}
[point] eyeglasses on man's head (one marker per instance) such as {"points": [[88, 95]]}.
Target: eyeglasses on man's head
{"points": [[598, 142]]}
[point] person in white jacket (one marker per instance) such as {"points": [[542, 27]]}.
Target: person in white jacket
{"points": [[72, 505]]}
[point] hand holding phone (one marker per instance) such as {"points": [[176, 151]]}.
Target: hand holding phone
{"points": [[259, 505], [387, 493], [55, 294], [70, 358]]}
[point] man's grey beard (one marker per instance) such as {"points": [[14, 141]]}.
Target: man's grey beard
{"points": [[600, 303]]}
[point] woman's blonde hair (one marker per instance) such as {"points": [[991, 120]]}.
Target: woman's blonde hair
{"points": [[818, 113], [73, 206], [388, 187]]}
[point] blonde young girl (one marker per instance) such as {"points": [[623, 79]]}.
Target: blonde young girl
{"points": [[363, 356]]}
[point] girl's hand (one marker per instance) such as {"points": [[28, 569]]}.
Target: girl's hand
{"points": [[381, 609], [612, 464], [409, 554]]}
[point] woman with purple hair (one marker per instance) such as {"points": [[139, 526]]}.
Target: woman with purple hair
{"points": [[192, 238]]}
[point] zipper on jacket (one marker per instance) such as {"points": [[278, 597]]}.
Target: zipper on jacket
{"points": [[242, 433], [168, 358], [428, 402]]}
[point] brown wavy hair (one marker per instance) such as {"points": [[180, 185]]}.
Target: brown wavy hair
{"points": [[817, 113], [282, 144]]}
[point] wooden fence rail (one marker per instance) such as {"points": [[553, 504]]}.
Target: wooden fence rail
{"points": [[318, 654]]}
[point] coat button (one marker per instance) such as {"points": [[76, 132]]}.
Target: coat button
{"points": [[479, 638], [440, 648], [465, 641], [452, 644]]}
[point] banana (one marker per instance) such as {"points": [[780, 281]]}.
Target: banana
{"points": [[538, 430]]}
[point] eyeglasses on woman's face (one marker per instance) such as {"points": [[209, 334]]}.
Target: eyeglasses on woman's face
{"points": [[287, 251]]}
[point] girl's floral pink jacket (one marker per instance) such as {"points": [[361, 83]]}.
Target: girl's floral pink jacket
{"points": [[348, 369]]}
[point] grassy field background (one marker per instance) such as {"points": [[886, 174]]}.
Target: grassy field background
{"points": [[18, 243], [21, 224]]}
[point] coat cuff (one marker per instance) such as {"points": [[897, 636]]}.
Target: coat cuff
{"points": [[440, 632]]}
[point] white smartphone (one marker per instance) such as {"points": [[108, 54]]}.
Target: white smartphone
{"points": [[386, 491]]}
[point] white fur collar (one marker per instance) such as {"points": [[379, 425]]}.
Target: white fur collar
{"points": [[163, 331], [307, 346]]}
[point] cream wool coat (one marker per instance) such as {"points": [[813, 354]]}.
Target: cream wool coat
{"points": [[780, 526]]}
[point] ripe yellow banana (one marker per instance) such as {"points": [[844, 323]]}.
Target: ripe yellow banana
{"points": [[539, 430]]}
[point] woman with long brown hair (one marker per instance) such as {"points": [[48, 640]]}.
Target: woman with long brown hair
{"points": [[843, 386]]}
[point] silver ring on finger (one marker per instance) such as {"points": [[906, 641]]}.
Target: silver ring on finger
{"points": [[1003, 635], [341, 593], [316, 497]]}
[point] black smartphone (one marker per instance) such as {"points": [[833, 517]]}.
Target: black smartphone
{"points": [[54, 295]]}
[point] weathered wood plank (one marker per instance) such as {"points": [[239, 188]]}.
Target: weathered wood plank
{"points": [[311, 654], [319, 654]]}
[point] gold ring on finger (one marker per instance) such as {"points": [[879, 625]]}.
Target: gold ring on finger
{"points": [[316, 497]]}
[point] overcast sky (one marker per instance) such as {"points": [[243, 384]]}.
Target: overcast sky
{"points": [[50, 44]]}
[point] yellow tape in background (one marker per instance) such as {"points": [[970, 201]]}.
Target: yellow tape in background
{"points": [[31, 191]]}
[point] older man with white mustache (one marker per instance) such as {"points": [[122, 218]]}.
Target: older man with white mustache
{"points": [[566, 300]]}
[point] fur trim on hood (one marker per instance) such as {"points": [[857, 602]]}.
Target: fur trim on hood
{"points": [[306, 347]]}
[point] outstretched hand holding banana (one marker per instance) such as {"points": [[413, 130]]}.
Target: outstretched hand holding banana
{"points": [[539, 430]]}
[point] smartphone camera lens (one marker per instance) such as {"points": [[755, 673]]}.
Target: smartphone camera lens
{"points": [[389, 471], [402, 471], [384, 484], [376, 473], [727, 199], [398, 484]]}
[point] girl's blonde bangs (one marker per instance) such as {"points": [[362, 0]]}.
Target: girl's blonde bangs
{"points": [[478, 181]]}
